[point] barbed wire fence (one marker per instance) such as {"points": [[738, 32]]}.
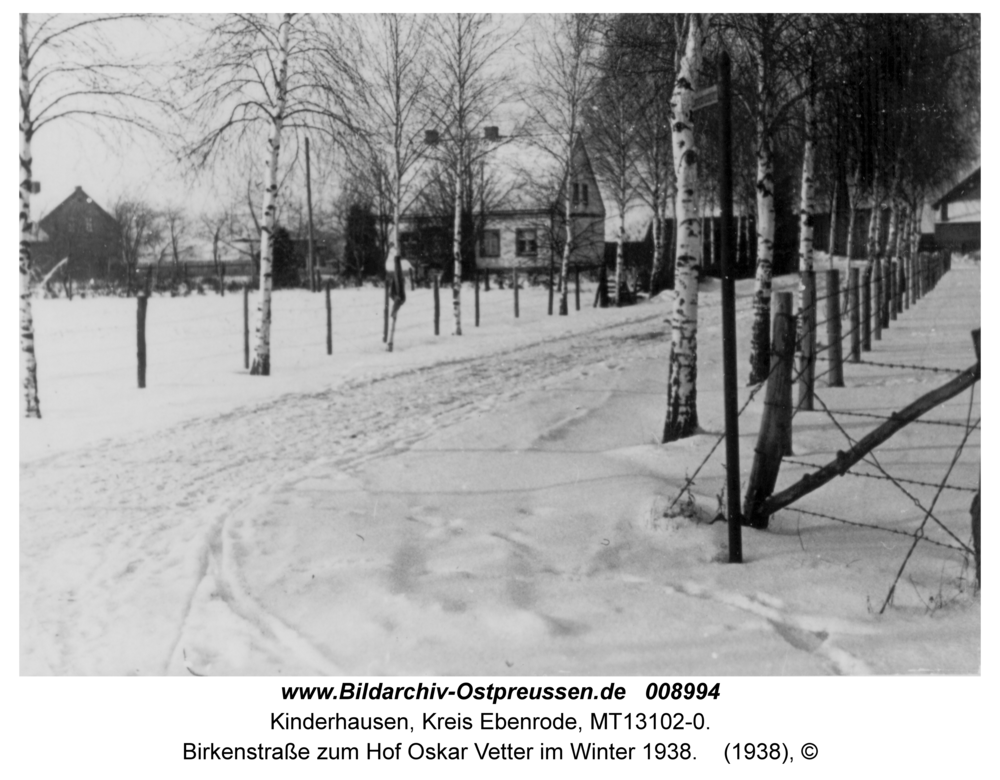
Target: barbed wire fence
{"points": [[904, 283]]}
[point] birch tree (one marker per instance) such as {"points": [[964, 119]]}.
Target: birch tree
{"points": [[394, 68], [652, 46], [614, 137], [563, 66], [138, 231], [71, 70], [682, 409], [255, 75], [767, 54], [468, 84]]}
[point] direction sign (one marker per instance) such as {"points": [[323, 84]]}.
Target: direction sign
{"points": [[706, 97]]}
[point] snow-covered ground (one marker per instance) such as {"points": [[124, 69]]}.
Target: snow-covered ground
{"points": [[494, 503]]}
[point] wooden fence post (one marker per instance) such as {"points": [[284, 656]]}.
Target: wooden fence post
{"points": [[385, 310], [486, 280], [904, 273], [877, 302], [437, 306], [140, 337], [866, 309], [977, 541], [246, 326], [329, 321], [517, 303], [222, 278], [893, 288], [852, 286], [836, 376], [476, 280], [807, 342], [775, 424], [552, 284], [577, 275]]}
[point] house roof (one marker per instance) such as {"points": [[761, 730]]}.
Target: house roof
{"points": [[521, 174], [77, 197], [967, 186]]}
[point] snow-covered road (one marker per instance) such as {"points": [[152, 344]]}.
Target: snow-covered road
{"points": [[497, 513]]}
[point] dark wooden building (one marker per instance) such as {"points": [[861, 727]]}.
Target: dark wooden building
{"points": [[958, 218], [78, 229]]}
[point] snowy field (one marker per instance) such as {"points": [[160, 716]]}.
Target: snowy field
{"points": [[494, 503]]}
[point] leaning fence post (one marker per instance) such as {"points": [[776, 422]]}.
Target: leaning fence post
{"points": [[140, 337], [852, 288], [437, 306], [836, 375], [776, 421], [329, 321], [807, 342], [246, 326]]}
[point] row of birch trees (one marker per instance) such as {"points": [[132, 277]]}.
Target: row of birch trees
{"points": [[878, 111]]}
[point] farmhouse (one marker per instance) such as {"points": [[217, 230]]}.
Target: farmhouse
{"points": [[78, 228], [517, 215]]}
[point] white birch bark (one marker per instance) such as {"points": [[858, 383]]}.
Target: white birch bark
{"points": [[807, 211], [456, 281], [874, 225], [568, 243], [760, 339], [852, 215], [29, 366], [682, 409], [262, 356], [620, 255], [807, 204]]}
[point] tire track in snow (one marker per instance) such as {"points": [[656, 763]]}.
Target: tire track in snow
{"points": [[157, 502]]}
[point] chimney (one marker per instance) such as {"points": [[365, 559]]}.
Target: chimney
{"points": [[491, 133], [431, 137]]}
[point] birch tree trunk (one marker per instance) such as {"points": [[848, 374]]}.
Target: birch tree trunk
{"points": [[568, 243], [760, 338], [456, 281], [852, 213], [807, 210], [682, 409], [29, 368], [620, 255], [262, 356], [875, 225], [807, 207]]}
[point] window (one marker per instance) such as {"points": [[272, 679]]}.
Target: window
{"points": [[491, 244], [88, 224], [578, 190], [576, 194], [409, 245], [527, 242], [585, 195]]}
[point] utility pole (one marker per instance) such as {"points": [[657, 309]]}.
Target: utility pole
{"points": [[729, 318], [310, 258]]}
